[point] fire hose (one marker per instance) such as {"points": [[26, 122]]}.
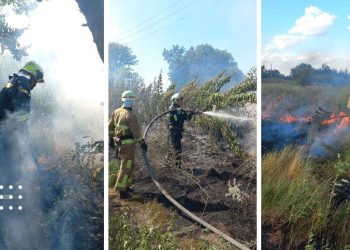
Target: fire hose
{"points": [[174, 202]]}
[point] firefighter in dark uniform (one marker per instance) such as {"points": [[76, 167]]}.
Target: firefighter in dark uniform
{"points": [[177, 117], [15, 100], [15, 96]]}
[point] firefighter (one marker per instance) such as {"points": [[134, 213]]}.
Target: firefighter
{"points": [[15, 99], [125, 132], [15, 96], [177, 117]]}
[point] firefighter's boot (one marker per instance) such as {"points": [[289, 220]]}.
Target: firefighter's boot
{"points": [[127, 194]]}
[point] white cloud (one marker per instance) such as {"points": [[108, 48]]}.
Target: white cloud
{"points": [[285, 61], [287, 40], [349, 17], [314, 22]]}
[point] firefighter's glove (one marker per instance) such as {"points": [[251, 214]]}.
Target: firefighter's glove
{"points": [[143, 145], [191, 112], [111, 142]]}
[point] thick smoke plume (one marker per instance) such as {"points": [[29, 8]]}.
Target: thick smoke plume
{"points": [[60, 205]]}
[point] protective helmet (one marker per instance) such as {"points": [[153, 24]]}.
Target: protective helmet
{"points": [[128, 98], [35, 70], [176, 97]]}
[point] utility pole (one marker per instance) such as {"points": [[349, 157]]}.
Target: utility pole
{"points": [[271, 69]]}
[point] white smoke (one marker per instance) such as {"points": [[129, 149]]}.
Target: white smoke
{"points": [[244, 121], [68, 107], [74, 79]]}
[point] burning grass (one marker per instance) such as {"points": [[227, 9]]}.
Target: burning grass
{"points": [[306, 153]]}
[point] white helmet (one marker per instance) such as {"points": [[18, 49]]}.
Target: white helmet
{"points": [[176, 97], [128, 98]]}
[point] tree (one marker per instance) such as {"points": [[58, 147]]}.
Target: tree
{"points": [[124, 79], [120, 56], [200, 63], [271, 73], [9, 35], [93, 11], [302, 73], [157, 91]]}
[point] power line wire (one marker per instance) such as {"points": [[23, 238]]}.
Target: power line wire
{"points": [[156, 31], [150, 18], [155, 23]]}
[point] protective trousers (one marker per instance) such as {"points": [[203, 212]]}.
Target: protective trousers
{"points": [[127, 157], [175, 136]]}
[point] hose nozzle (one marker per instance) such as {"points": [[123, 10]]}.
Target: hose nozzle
{"points": [[198, 112]]}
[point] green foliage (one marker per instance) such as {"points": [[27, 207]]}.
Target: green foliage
{"points": [[302, 73], [209, 97], [310, 244], [297, 199], [305, 74], [88, 151], [8, 39], [113, 169], [271, 74], [9, 36], [120, 56], [121, 235], [125, 79], [150, 233], [154, 228], [282, 99], [71, 205], [152, 99]]}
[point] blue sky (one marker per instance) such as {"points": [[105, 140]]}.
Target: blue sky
{"points": [[314, 32], [226, 24]]}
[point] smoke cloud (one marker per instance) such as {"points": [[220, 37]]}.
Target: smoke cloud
{"points": [[67, 109]]}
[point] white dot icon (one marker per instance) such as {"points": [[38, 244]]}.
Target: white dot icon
{"points": [[20, 197], [10, 207], [10, 187], [19, 207], [1, 208], [1, 187], [1, 197], [20, 187], [10, 197]]}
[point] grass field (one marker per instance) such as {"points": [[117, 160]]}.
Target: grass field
{"points": [[297, 206]]}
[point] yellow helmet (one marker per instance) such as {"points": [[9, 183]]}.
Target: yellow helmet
{"points": [[35, 70]]}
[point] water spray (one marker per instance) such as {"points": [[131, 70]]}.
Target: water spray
{"points": [[225, 116]]}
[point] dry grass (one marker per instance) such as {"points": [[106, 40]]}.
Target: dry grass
{"points": [[296, 202]]}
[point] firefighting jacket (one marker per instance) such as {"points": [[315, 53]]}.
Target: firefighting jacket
{"points": [[123, 125], [15, 98], [177, 117]]}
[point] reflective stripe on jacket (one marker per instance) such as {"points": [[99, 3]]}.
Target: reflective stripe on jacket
{"points": [[124, 125], [177, 117], [15, 98]]}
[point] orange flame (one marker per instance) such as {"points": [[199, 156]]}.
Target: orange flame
{"points": [[288, 118], [342, 119]]}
